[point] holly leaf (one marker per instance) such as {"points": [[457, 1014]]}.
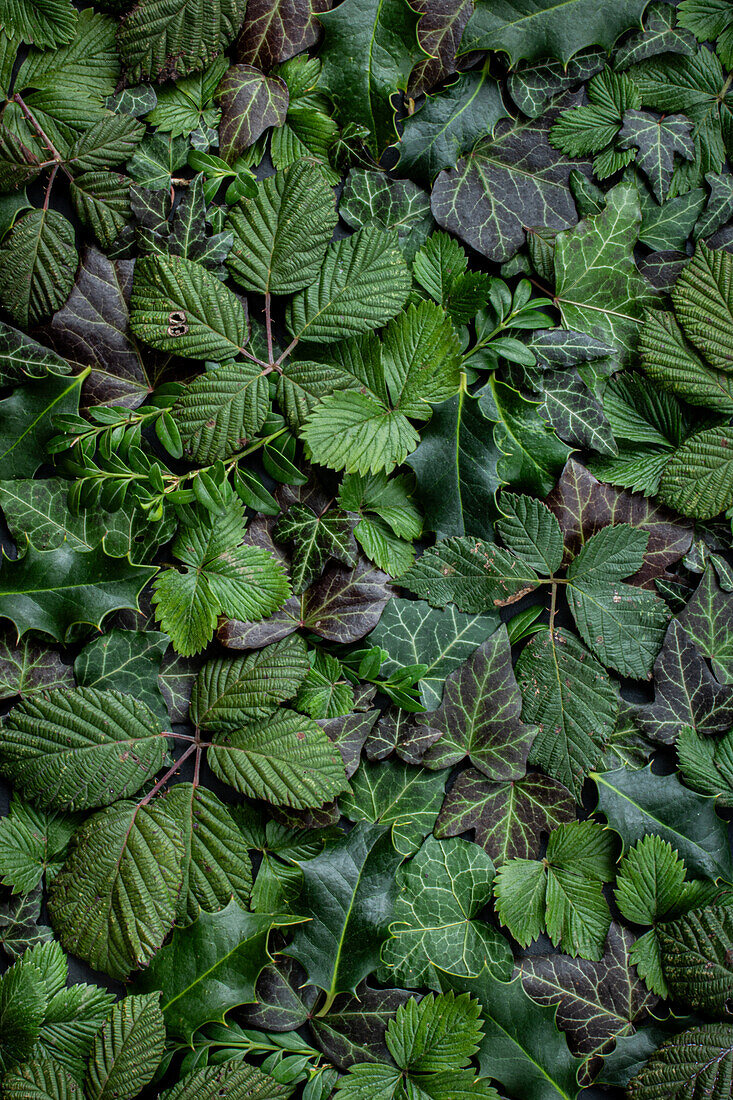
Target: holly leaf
{"points": [[396, 794], [250, 104], [479, 716], [544, 28], [27, 421], [127, 1050], [368, 53], [22, 357], [128, 858], [94, 584], [510, 817], [162, 42], [436, 927], [598, 287], [348, 894]]}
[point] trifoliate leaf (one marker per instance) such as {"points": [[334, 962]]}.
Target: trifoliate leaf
{"points": [[436, 926], [281, 235], [115, 900], [161, 41], [650, 881], [437, 1035], [250, 103], [127, 1050], [83, 748]]}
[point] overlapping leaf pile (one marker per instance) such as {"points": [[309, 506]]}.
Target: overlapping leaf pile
{"points": [[367, 593]]}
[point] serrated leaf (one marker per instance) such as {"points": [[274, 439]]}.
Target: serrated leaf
{"points": [[127, 1050], [695, 958], [436, 927], [230, 1080], [231, 693], [474, 575], [23, 1001], [164, 41], [44, 25], [530, 530], [698, 479], [102, 204], [221, 411], [281, 235], [38, 260], [114, 902], [41, 1079], [94, 584], [82, 748], [348, 894], [699, 1060], [352, 1031], [250, 104]]}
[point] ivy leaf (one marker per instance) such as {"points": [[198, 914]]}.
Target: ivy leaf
{"points": [[597, 1002], [250, 104], [128, 858], [598, 287], [368, 272], [284, 997], [544, 28], [234, 693], [662, 34], [479, 201], [316, 539], [700, 1056], [348, 894], [508, 817], [27, 421], [26, 667], [127, 1050], [474, 575], [170, 292], [397, 794], [163, 42], [368, 54], [276, 32], [411, 632], [38, 260], [126, 661], [708, 622], [637, 803], [371, 198], [281, 235], [82, 748], [657, 141], [521, 1045], [575, 414], [20, 926], [94, 585], [352, 1031], [479, 716], [287, 760], [442, 890]]}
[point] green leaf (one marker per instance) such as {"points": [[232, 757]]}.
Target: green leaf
{"points": [[348, 895], [541, 28], [281, 235], [22, 357], [287, 760], [479, 716], [179, 306], [125, 661], [521, 1046], [41, 1079], [316, 539], [186, 105], [561, 895], [229, 1080], [436, 927], [699, 1059], [127, 1050], [696, 960], [698, 479], [657, 141], [215, 868], [439, 1034], [221, 410], [277, 32], [210, 967], [673, 364], [575, 414], [231, 693], [44, 25], [598, 287], [707, 620], [53, 590], [114, 902], [531, 531], [508, 817], [637, 803], [512, 180], [363, 282], [393, 793], [650, 881], [411, 632], [73, 1017], [23, 1001], [474, 575], [250, 104], [38, 260], [83, 748], [372, 198], [27, 421], [102, 203], [26, 667], [354, 432], [162, 40], [368, 54], [706, 764]]}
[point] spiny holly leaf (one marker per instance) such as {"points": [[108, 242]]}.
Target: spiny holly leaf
{"points": [[159, 40], [368, 53], [598, 288], [315, 539], [276, 32], [231, 693], [685, 693], [27, 422], [562, 894], [127, 1050], [215, 868], [94, 584], [114, 902], [287, 760], [570, 697], [82, 748], [479, 716], [699, 1060], [509, 818], [397, 794], [542, 28], [348, 894], [596, 1001], [479, 200], [250, 104], [696, 958], [281, 235], [210, 967], [436, 926]]}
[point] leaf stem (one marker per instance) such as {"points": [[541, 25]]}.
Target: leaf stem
{"points": [[17, 98], [268, 327], [171, 771], [49, 186]]}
